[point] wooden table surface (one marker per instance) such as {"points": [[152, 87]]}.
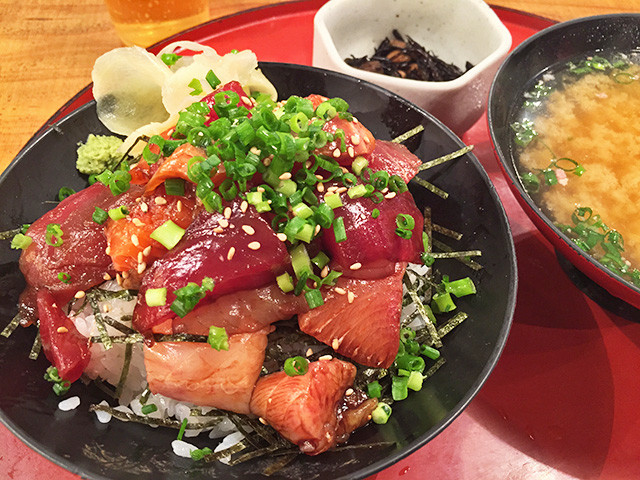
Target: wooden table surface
{"points": [[49, 47]]}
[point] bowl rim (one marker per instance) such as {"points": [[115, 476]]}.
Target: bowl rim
{"points": [[611, 281], [321, 32], [410, 447]]}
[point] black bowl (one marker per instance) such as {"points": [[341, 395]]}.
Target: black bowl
{"points": [[551, 47], [79, 443]]}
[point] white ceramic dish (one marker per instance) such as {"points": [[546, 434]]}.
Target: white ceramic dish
{"points": [[455, 30]]}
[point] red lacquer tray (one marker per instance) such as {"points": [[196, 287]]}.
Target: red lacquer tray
{"points": [[560, 404]]}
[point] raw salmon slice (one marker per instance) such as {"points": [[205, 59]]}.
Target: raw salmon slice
{"points": [[366, 330], [303, 408], [199, 374]]}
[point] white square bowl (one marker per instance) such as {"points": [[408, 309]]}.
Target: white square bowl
{"points": [[457, 31]]}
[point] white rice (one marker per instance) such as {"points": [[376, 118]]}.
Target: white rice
{"points": [[70, 403]]}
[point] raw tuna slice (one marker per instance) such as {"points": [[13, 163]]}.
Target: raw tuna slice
{"points": [[199, 374], [241, 312], [82, 252], [372, 244], [303, 408], [218, 248], [395, 159], [62, 344], [365, 330]]}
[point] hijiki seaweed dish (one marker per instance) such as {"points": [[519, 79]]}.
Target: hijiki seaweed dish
{"points": [[575, 144], [251, 272]]}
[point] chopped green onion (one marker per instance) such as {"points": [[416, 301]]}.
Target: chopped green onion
{"points": [[442, 303], [196, 87], [53, 235], [212, 79], [149, 408], [183, 427], [156, 297], [174, 186], [331, 278], [118, 213], [99, 216], [294, 366], [333, 200], [64, 277], [254, 198], [339, 230], [65, 192], [381, 413], [358, 164], [399, 388], [405, 221], [411, 363], [300, 261], [21, 241], [375, 213], [320, 260], [460, 288], [188, 296], [169, 59], [285, 282], [302, 210], [168, 234], [357, 191], [407, 334], [306, 233], [429, 352], [415, 381], [218, 338], [314, 298], [374, 389], [200, 453]]}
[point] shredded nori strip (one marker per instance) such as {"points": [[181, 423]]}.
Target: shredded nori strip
{"points": [[128, 349], [434, 368], [146, 420], [408, 135], [431, 187], [11, 326], [36, 347], [102, 330], [467, 261], [278, 465], [407, 59], [238, 447], [446, 231], [452, 323], [9, 234], [452, 254], [445, 158], [429, 326]]}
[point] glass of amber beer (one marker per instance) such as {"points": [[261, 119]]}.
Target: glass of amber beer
{"points": [[145, 22]]}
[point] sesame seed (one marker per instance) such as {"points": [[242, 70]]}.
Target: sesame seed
{"points": [[119, 279], [309, 352], [138, 200], [227, 213], [243, 206], [262, 421], [79, 294], [62, 330], [260, 189], [325, 357], [246, 100], [125, 275], [137, 222], [142, 267], [267, 161], [248, 229], [351, 151], [106, 308], [355, 120], [356, 266], [269, 400], [341, 189], [231, 225], [317, 230], [160, 201], [224, 223], [254, 245], [344, 169], [336, 153], [320, 187], [255, 150], [328, 435], [332, 189], [147, 251], [106, 276], [282, 237], [349, 392], [285, 176], [351, 296], [144, 207], [325, 271], [231, 253], [218, 230], [134, 239], [140, 257], [307, 164], [319, 177], [179, 205], [355, 139], [107, 250], [340, 290], [384, 190], [335, 344], [390, 195]]}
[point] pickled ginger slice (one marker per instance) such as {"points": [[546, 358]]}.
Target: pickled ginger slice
{"points": [[127, 86]]}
